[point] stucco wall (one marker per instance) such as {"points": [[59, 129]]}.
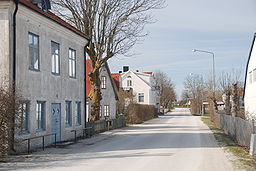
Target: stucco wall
{"points": [[6, 8], [43, 85], [250, 91], [108, 95]]}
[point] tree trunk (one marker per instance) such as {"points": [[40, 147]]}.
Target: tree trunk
{"points": [[234, 101], [95, 94], [227, 103]]}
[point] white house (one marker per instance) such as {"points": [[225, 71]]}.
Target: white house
{"points": [[44, 57], [143, 85], [250, 84], [108, 92]]}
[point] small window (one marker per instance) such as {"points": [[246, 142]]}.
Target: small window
{"points": [[68, 120], [33, 51], [23, 110], [254, 75], [72, 63], [55, 47], [129, 83], [103, 82], [106, 110], [100, 111], [141, 97], [250, 77], [78, 113], [40, 115]]}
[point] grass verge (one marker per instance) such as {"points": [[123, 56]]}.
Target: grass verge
{"points": [[242, 154]]}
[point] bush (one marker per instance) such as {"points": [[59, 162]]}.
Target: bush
{"points": [[8, 114], [138, 113]]}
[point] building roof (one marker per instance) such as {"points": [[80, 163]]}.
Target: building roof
{"points": [[116, 77], [88, 84], [53, 17]]}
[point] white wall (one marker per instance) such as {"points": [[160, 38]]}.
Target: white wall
{"points": [[141, 83], [250, 91]]}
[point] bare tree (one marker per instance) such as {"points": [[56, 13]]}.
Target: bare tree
{"points": [[167, 92], [195, 88], [114, 27], [226, 82]]}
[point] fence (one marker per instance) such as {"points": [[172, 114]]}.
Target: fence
{"points": [[92, 128], [239, 129], [104, 125]]}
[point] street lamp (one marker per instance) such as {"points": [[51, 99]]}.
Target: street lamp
{"points": [[213, 66]]}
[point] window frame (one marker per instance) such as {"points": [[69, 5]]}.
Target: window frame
{"points": [[141, 95], [68, 116], [40, 122], [72, 63], [31, 67], [103, 82], [54, 55], [78, 113], [106, 111], [250, 77], [21, 114]]}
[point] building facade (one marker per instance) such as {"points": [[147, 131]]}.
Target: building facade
{"points": [[108, 93], [49, 73], [250, 84], [143, 86]]}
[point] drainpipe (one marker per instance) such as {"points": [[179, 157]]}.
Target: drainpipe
{"points": [[85, 107], [14, 65]]}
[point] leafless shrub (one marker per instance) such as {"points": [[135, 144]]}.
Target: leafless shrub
{"points": [[9, 106], [138, 113]]}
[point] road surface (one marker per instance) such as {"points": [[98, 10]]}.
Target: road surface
{"points": [[175, 142]]}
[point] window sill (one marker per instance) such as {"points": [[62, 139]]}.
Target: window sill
{"points": [[24, 132], [72, 77], [40, 130], [33, 69], [67, 126], [56, 74]]}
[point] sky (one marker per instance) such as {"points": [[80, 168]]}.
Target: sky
{"points": [[225, 27]]}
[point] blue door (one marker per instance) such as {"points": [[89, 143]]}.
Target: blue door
{"points": [[56, 121]]}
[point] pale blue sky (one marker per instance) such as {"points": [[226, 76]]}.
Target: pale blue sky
{"points": [[225, 27]]}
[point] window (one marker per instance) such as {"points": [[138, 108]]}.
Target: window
{"points": [[68, 120], [129, 83], [33, 51], [254, 75], [100, 111], [103, 82], [23, 109], [40, 115], [72, 63], [106, 110], [78, 113], [141, 97], [55, 57], [250, 77]]}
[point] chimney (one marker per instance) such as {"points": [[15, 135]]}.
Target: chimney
{"points": [[137, 70], [43, 4], [125, 68]]}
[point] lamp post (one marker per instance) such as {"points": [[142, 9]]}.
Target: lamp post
{"points": [[213, 67]]}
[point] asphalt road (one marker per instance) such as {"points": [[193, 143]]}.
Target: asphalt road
{"points": [[174, 142]]}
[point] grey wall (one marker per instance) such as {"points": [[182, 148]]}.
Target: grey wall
{"points": [[42, 85]]}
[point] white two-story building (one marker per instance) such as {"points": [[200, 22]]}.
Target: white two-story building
{"points": [[43, 56], [143, 86]]}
